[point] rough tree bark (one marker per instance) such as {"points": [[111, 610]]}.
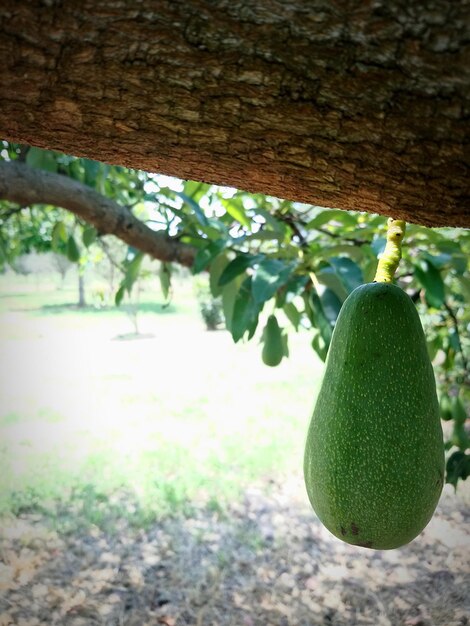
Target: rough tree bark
{"points": [[359, 105]]}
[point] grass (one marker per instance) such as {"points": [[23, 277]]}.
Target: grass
{"points": [[179, 416]]}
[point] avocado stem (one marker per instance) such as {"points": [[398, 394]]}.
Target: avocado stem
{"points": [[391, 256]]}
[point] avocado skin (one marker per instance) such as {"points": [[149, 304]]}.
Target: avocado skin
{"points": [[374, 456], [273, 349]]}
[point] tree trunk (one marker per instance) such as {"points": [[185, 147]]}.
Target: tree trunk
{"points": [[81, 290], [360, 105]]}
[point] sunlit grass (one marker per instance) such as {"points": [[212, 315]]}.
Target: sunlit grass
{"points": [[182, 415]]}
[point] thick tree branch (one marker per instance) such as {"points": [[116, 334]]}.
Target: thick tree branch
{"points": [[24, 185], [358, 105]]}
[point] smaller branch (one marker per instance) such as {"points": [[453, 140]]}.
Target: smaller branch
{"points": [[104, 246], [353, 240], [288, 219], [455, 323], [298, 234], [24, 185]]}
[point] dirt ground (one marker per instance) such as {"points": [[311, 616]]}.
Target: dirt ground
{"points": [[266, 561]]}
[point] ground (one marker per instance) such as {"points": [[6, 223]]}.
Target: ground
{"points": [[263, 561], [157, 480]]}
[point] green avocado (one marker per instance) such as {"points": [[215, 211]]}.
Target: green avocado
{"points": [[274, 346], [374, 457], [445, 404]]}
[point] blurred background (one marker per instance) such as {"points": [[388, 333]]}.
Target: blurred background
{"points": [[142, 397]]}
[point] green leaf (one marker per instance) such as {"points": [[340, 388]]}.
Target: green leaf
{"points": [[89, 235], [318, 344], [454, 340], [92, 170], [465, 286], [216, 268], [274, 224], [3, 252], [354, 252], [133, 269], [59, 235], [378, 245], [459, 262], [348, 272], [331, 305], [448, 246], [236, 267], [164, 275], [438, 260], [264, 235], [329, 215], [229, 293], [319, 318], [253, 325], [285, 344], [369, 268], [457, 467], [245, 311], [77, 172], [292, 314], [204, 256], [296, 284], [328, 276], [433, 346], [73, 253], [195, 190], [234, 207], [268, 277], [202, 219], [119, 295], [41, 159], [431, 280]]}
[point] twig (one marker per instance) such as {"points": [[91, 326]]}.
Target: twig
{"points": [[357, 242], [104, 246], [23, 151], [455, 323], [289, 221]]}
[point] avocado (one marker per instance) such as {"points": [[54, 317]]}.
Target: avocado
{"points": [[445, 404], [374, 456], [274, 345], [73, 253]]}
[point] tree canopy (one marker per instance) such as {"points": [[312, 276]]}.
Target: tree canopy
{"points": [[263, 257]]}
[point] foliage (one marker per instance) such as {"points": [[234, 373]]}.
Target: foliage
{"points": [[264, 256]]}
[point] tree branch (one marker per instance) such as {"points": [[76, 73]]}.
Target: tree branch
{"points": [[354, 105], [24, 185]]}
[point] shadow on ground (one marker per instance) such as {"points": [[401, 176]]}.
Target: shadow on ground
{"points": [[264, 561]]}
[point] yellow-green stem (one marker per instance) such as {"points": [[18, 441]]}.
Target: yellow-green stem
{"points": [[391, 256]]}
